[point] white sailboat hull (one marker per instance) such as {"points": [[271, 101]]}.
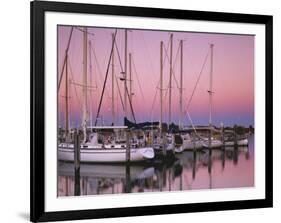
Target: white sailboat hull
{"points": [[187, 144], [242, 142], [214, 144], [100, 155]]}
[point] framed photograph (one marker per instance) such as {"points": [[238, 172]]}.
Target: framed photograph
{"points": [[144, 111]]}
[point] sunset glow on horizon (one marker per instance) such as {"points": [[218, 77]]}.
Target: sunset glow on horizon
{"points": [[233, 75]]}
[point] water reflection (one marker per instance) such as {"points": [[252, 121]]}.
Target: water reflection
{"points": [[204, 169]]}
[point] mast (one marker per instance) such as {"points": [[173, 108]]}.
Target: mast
{"points": [[125, 72], [112, 87], [84, 121], [161, 86], [181, 82], [170, 79], [130, 81], [210, 91], [91, 98], [211, 87], [66, 97]]}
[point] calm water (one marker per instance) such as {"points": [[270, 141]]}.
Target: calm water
{"points": [[205, 169]]}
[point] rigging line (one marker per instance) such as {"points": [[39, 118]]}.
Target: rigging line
{"points": [[119, 92], [66, 52], [82, 85], [165, 56], [126, 88], [138, 78], [154, 99], [166, 53], [81, 30], [130, 102], [197, 81], [119, 57], [99, 69], [72, 76], [174, 65], [104, 83], [193, 126], [149, 55], [157, 86]]}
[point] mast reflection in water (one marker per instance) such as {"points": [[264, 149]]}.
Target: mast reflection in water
{"points": [[204, 169]]}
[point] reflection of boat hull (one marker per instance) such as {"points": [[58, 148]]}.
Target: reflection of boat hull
{"points": [[106, 155], [105, 171], [242, 142]]}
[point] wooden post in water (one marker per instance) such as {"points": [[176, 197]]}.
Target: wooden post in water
{"points": [[128, 149], [210, 139], [128, 179], [76, 163], [164, 144], [222, 135], [223, 158], [235, 136], [194, 164], [210, 168]]}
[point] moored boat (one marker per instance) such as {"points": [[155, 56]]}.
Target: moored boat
{"points": [[241, 142], [100, 150]]}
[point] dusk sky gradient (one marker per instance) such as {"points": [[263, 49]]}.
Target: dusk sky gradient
{"points": [[233, 75]]}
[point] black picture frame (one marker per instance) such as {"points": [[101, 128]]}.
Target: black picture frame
{"points": [[37, 157]]}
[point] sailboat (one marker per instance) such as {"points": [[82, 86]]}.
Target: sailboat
{"points": [[105, 149], [211, 142], [240, 142], [188, 142], [98, 148]]}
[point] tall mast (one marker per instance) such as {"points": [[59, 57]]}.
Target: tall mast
{"points": [[91, 98], [112, 87], [84, 123], [211, 87], [66, 96], [125, 73], [181, 81], [170, 80], [130, 81], [161, 86]]}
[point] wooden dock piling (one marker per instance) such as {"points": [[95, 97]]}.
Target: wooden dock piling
{"points": [[222, 136], [164, 144], [76, 163], [235, 136], [194, 164], [128, 179], [128, 146], [210, 139]]}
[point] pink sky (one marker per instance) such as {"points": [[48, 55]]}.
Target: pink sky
{"points": [[233, 75]]}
